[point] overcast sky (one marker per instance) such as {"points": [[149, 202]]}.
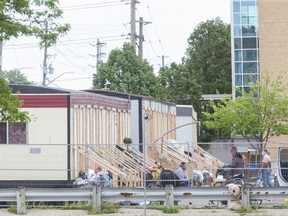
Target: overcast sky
{"points": [[172, 22]]}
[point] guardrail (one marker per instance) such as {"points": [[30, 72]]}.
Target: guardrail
{"points": [[97, 195]]}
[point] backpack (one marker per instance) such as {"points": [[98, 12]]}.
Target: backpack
{"points": [[169, 177]]}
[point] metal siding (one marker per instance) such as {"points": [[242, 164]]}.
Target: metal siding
{"points": [[44, 101]]}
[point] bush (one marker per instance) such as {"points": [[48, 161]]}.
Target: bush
{"points": [[127, 140]]}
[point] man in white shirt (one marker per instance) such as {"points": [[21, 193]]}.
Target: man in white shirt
{"points": [[266, 169]]}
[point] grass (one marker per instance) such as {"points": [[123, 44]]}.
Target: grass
{"points": [[174, 210], [12, 209], [106, 208], [244, 210]]}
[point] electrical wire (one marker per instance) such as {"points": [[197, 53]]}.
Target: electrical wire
{"points": [[153, 23], [91, 6]]}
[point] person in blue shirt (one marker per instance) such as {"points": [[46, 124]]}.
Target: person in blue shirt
{"points": [[180, 172]]}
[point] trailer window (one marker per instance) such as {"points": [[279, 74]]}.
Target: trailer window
{"points": [[13, 133], [284, 163]]}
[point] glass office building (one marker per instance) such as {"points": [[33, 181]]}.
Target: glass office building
{"points": [[245, 43]]}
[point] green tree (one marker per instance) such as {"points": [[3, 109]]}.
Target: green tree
{"points": [[10, 105], [257, 115], [208, 59], [126, 72], [208, 56], [16, 77], [31, 18], [179, 86]]}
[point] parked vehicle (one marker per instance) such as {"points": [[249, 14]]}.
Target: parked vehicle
{"points": [[282, 163]]}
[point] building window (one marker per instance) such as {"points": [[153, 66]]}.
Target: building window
{"points": [[238, 68], [249, 7], [238, 81], [249, 43], [13, 133], [250, 55], [238, 55], [237, 43], [250, 67]]}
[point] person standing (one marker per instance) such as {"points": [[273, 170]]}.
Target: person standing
{"points": [[180, 172], [266, 169], [237, 164]]}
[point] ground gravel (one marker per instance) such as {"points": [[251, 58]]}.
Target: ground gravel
{"points": [[150, 212]]}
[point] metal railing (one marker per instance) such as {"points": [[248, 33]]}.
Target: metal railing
{"points": [[96, 195]]}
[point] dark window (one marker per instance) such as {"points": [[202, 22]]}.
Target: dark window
{"points": [[3, 133], [17, 133], [237, 43], [249, 31], [250, 67], [249, 43]]}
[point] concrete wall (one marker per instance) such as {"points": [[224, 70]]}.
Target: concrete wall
{"points": [[273, 40], [273, 43]]}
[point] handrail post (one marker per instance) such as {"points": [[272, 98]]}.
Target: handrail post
{"points": [[96, 199], [21, 208], [169, 196], [245, 196]]}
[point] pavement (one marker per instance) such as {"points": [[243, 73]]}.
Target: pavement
{"points": [[151, 212]]}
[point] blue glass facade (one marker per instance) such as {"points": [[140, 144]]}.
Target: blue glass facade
{"points": [[245, 43]]}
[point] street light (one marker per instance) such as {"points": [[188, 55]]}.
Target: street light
{"points": [[51, 81]]}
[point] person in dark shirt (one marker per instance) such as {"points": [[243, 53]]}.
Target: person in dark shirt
{"points": [[237, 164]]}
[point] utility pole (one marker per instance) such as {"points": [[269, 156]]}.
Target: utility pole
{"points": [[99, 53], [141, 36], [163, 60], [45, 58], [133, 24]]}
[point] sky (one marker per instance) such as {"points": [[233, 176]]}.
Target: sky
{"points": [[169, 25]]}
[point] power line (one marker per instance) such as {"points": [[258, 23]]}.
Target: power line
{"points": [[92, 6], [64, 42]]}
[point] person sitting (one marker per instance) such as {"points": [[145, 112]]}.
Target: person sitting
{"points": [[180, 172]]}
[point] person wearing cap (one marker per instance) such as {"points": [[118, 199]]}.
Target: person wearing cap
{"points": [[180, 172]]}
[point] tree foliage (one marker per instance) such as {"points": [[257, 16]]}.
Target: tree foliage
{"points": [[126, 72], [31, 17], [208, 56], [10, 105], [259, 114], [16, 77], [179, 85]]}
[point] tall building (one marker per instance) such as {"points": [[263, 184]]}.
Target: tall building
{"points": [[245, 43], [259, 39], [259, 30]]}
